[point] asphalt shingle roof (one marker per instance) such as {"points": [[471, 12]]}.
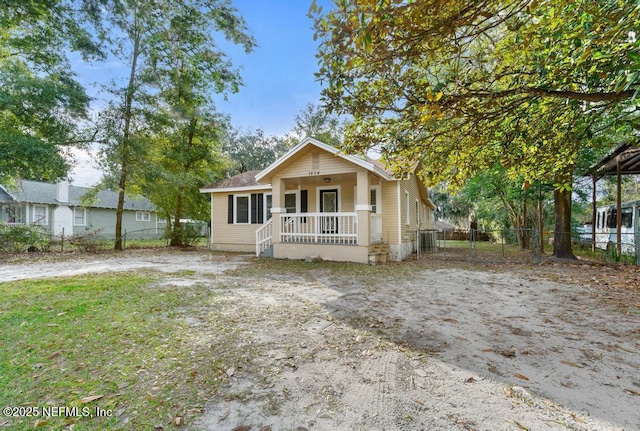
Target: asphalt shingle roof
{"points": [[244, 179], [46, 193]]}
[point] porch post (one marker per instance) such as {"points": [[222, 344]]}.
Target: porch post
{"points": [[278, 206], [363, 208]]}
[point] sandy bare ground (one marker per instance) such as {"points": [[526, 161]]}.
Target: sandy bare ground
{"points": [[414, 346], [69, 265]]}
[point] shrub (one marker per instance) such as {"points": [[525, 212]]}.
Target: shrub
{"points": [[185, 235], [628, 258], [20, 237], [89, 242]]}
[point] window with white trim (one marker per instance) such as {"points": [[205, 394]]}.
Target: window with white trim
{"points": [[373, 200], [79, 217], [249, 208], [40, 214], [268, 204], [407, 206], [143, 216]]}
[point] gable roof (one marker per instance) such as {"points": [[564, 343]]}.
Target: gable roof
{"points": [[46, 193], [251, 180], [369, 165]]}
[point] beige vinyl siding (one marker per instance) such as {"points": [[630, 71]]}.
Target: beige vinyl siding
{"points": [[311, 198], [348, 196], [388, 200], [412, 186], [404, 229], [320, 164], [225, 236]]}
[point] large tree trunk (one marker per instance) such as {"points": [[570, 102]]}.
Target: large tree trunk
{"points": [[562, 232], [126, 136], [177, 236], [122, 184]]}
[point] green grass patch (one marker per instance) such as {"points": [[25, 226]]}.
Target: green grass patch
{"points": [[484, 246], [114, 342], [146, 243]]}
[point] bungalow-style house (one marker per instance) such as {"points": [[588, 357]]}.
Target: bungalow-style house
{"points": [[317, 201], [59, 208]]}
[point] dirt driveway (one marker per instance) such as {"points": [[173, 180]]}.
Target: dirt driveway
{"points": [[412, 346]]}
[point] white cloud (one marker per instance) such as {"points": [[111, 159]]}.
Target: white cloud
{"points": [[84, 173]]}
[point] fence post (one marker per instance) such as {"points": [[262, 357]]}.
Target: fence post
{"points": [[62, 241], [124, 240], [537, 255], [473, 255]]}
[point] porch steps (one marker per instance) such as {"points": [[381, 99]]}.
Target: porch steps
{"points": [[378, 253]]}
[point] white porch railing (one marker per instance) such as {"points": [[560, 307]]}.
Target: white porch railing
{"points": [[376, 228], [321, 228], [264, 237]]}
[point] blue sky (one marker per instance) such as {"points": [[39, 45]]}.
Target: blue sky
{"points": [[278, 75]]}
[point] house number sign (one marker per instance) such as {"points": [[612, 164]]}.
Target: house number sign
{"points": [[312, 173]]}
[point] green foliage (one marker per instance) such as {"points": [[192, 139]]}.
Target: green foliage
{"points": [[41, 103], [496, 202], [630, 189], [110, 335], [20, 237], [90, 242], [173, 68], [453, 208], [251, 150], [315, 122], [185, 235], [621, 257], [462, 86]]}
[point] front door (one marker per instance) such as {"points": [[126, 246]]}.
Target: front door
{"points": [[329, 204]]}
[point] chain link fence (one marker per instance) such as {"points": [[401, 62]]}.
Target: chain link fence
{"points": [[495, 246], [21, 238], [520, 245]]}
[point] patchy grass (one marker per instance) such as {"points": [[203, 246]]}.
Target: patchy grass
{"points": [[115, 342], [485, 246], [135, 243], [318, 271]]}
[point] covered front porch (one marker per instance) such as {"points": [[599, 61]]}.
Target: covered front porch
{"points": [[334, 217], [322, 229], [13, 213]]}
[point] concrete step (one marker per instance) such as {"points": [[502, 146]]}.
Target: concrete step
{"points": [[377, 248], [378, 253]]}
